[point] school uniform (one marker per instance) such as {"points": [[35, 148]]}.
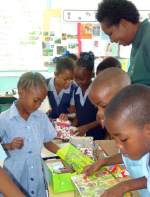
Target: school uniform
{"points": [[86, 113], [25, 164], [59, 102], [134, 167], [146, 170]]}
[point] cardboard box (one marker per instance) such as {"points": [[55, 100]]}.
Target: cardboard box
{"points": [[108, 146]]}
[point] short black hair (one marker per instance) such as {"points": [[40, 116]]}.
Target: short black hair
{"points": [[107, 63], [133, 102], [86, 60], [64, 63], [112, 11]]}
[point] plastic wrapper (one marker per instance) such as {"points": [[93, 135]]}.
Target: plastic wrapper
{"points": [[85, 144], [64, 129]]}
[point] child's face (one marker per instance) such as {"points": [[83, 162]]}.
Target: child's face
{"points": [[82, 77], [100, 97], [64, 78], [31, 99], [121, 33], [132, 140]]}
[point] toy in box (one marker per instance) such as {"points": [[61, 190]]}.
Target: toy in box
{"points": [[64, 129], [94, 186], [85, 144], [117, 170], [74, 157]]}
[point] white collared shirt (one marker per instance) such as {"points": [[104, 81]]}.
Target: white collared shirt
{"points": [[58, 97], [82, 97]]}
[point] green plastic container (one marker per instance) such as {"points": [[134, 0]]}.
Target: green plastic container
{"points": [[61, 182]]}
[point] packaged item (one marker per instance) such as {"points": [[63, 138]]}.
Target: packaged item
{"points": [[64, 129], [85, 144], [74, 157], [94, 186]]}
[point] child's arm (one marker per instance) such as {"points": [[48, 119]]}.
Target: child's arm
{"points": [[51, 147], [116, 159], [126, 186], [84, 128], [7, 187]]}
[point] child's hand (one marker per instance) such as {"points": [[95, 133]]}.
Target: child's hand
{"points": [[63, 117], [17, 143], [81, 131], [49, 112], [66, 168], [116, 191], [89, 170]]}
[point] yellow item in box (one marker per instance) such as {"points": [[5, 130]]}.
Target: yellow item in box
{"points": [[74, 157]]}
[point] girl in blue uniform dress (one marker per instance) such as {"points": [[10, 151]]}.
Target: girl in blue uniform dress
{"points": [[61, 88], [85, 110], [24, 129]]}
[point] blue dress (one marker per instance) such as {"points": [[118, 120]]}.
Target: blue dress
{"points": [[86, 113], [59, 102], [25, 164]]}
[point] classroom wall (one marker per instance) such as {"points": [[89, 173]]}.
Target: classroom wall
{"points": [[92, 5], [9, 81]]}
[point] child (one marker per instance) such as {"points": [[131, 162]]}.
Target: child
{"points": [[107, 63], [7, 187], [61, 88], [85, 110], [72, 56], [127, 119], [120, 20], [107, 84], [23, 131]]}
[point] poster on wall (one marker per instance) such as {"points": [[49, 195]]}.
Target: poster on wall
{"points": [[86, 31]]}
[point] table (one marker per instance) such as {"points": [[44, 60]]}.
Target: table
{"points": [[67, 194]]}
